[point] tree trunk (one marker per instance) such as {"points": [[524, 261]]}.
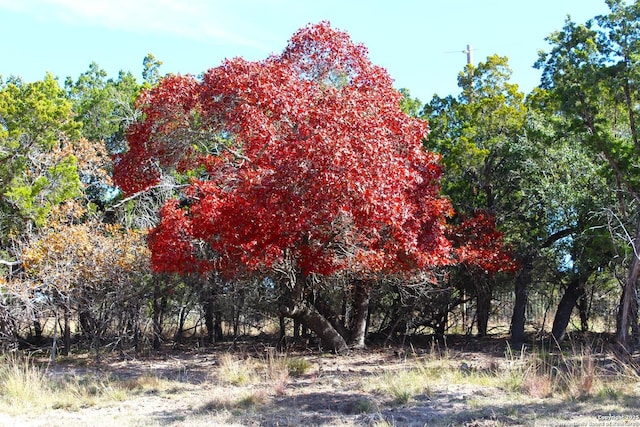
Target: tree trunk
{"points": [[66, 334], [361, 297], [331, 316], [159, 308], [283, 328], [313, 320], [296, 329], [626, 318], [635, 326], [217, 324], [295, 306], [483, 305], [572, 293], [208, 297], [182, 318], [583, 309], [86, 322], [37, 331], [520, 305], [208, 321]]}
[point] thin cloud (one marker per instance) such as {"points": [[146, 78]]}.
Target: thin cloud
{"points": [[197, 19]]}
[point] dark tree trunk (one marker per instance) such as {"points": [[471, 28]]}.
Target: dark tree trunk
{"points": [[331, 316], [217, 325], [361, 297], [208, 320], [182, 318], [37, 331], [133, 327], [313, 320], [283, 328], [86, 322], [635, 326], [295, 306], [296, 329], [583, 310], [572, 293], [483, 305], [66, 333], [439, 330], [523, 279], [208, 297]]}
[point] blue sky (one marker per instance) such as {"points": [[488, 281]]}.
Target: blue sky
{"points": [[420, 42]]}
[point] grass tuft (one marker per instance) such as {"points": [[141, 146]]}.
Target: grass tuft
{"points": [[403, 385], [237, 372], [298, 366], [22, 383]]}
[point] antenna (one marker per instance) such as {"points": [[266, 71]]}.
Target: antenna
{"points": [[468, 51]]}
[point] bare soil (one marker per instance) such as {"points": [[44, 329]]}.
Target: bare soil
{"points": [[333, 392]]}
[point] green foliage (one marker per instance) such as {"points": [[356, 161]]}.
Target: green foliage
{"points": [[35, 114], [475, 134], [591, 74], [409, 105], [103, 106], [151, 70], [34, 174]]}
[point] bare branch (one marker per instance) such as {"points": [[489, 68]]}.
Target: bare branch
{"points": [[143, 192]]}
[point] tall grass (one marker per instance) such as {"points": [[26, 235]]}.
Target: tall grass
{"points": [[26, 386], [236, 371], [22, 383], [573, 374], [273, 370]]}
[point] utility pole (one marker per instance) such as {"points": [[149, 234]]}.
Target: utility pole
{"points": [[469, 67], [469, 53]]}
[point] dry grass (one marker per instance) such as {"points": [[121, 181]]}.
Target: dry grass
{"points": [[377, 388], [236, 371], [570, 375], [27, 387], [22, 384], [402, 385]]}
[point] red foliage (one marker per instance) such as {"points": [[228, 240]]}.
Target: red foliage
{"points": [[479, 245], [162, 138], [171, 242], [315, 162]]}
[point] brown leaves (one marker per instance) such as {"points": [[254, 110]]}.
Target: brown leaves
{"points": [[68, 256]]}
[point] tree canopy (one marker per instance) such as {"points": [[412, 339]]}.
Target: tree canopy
{"points": [[304, 155]]}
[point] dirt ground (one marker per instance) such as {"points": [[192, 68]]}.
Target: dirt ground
{"points": [[333, 392]]}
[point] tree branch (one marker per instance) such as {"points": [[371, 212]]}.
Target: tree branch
{"points": [[140, 193], [557, 236]]}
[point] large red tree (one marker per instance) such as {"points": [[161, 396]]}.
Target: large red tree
{"points": [[304, 159]]}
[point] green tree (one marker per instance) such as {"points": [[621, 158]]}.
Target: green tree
{"points": [[592, 72], [151, 70], [104, 106], [36, 172], [503, 155], [479, 135], [410, 106]]}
